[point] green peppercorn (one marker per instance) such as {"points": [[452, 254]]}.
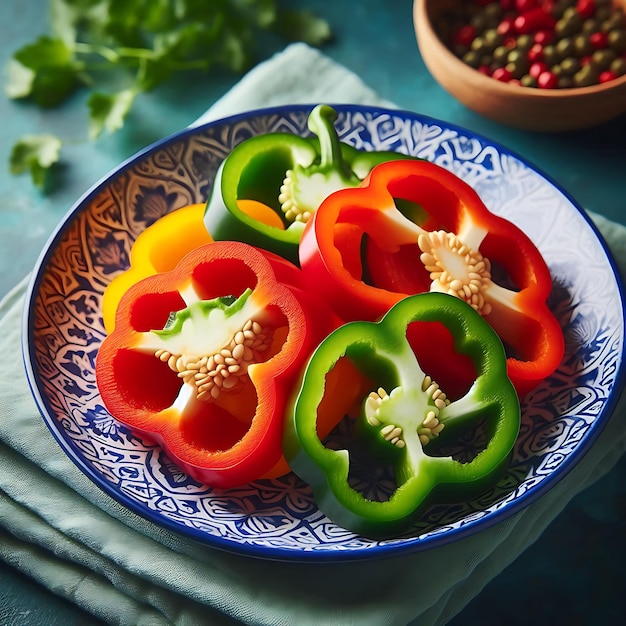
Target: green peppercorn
{"points": [[570, 11], [490, 20], [478, 45], [569, 66], [605, 26], [479, 22], [604, 12], [500, 55], [582, 45], [528, 81], [617, 40], [564, 47], [569, 24], [557, 70], [517, 69], [585, 76], [515, 55], [472, 58], [524, 42], [493, 12], [566, 82], [550, 55], [603, 58], [590, 25], [559, 8], [492, 38], [618, 66]]}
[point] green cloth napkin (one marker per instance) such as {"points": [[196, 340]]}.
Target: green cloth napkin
{"points": [[59, 528]]}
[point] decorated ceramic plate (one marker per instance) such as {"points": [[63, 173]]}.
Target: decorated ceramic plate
{"points": [[279, 518]]}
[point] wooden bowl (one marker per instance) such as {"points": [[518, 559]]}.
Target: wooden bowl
{"points": [[528, 108]]}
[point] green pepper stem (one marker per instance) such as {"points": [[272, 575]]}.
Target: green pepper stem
{"points": [[321, 122]]}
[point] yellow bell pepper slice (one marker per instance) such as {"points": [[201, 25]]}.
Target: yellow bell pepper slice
{"points": [[157, 249]]}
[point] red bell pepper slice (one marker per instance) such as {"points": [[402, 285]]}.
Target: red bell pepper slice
{"points": [[414, 227], [203, 359]]}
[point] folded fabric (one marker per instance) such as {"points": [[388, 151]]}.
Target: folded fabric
{"points": [[59, 528]]}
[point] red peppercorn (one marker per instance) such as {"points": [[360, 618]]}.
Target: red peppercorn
{"points": [[585, 60], [507, 5], [599, 40], [606, 76], [547, 80], [523, 6], [533, 21], [586, 8], [464, 35], [502, 74], [535, 53], [505, 27], [537, 68], [484, 69], [544, 37]]}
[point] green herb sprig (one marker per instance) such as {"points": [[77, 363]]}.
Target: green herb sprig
{"points": [[142, 44]]}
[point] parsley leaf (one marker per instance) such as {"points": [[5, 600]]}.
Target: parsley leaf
{"points": [[54, 71], [35, 154], [20, 80], [108, 111]]}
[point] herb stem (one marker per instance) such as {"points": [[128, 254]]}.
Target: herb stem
{"points": [[113, 55]]}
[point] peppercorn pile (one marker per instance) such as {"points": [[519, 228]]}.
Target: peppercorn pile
{"points": [[546, 44]]}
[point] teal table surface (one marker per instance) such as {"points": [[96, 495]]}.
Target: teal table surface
{"points": [[576, 568]]}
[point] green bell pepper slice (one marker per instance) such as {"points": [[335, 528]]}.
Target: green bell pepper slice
{"points": [[288, 175], [406, 414]]}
